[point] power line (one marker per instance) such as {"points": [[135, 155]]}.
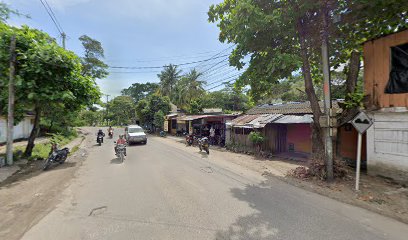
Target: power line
{"points": [[54, 20], [180, 64], [51, 16]]}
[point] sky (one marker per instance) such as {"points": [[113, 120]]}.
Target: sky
{"points": [[136, 33]]}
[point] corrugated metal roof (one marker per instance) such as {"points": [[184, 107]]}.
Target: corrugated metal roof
{"points": [[264, 119], [242, 120], [254, 121], [290, 119], [191, 117], [290, 108]]}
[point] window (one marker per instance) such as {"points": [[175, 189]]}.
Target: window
{"points": [[398, 81], [238, 130], [247, 131]]}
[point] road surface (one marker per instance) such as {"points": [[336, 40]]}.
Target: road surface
{"points": [[165, 190]]}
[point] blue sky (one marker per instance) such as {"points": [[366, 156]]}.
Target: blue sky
{"points": [[135, 33]]}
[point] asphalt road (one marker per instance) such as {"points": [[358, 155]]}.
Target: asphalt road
{"points": [[164, 190]]}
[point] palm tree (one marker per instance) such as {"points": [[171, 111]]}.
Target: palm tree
{"points": [[168, 79], [188, 88]]}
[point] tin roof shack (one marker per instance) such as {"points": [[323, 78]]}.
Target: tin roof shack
{"points": [[170, 123], [288, 130], [201, 124], [386, 87]]}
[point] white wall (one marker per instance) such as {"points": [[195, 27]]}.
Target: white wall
{"points": [[387, 144], [22, 130]]}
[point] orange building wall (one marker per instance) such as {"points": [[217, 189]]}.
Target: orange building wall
{"points": [[348, 144], [377, 61], [301, 136]]}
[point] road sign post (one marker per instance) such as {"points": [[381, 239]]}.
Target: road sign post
{"points": [[361, 123]]}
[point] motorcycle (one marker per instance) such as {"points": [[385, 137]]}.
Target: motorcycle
{"points": [[57, 156], [189, 140], [110, 134], [204, 144], [163, 134], [99, 139], [120, 152]]}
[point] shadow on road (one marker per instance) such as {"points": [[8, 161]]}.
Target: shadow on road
{"points": [[116, 161], [32, 170], [256, 226], [204, 154]]}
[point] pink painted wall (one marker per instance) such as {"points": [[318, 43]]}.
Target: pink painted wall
{"points": [[301, 136]]}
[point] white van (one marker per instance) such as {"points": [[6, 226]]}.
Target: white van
{"points": [[135, 134]]}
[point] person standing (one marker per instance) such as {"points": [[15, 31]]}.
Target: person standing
{"points": [[212, 135]]}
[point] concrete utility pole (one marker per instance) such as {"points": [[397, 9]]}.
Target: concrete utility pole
{"points": [[64, 36], [327, 96], [10, 119], [107, 111]]}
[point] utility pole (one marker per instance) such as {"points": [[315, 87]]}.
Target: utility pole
{"points": [[64, 36], [326, 90], [107, 112], [10, 119]]}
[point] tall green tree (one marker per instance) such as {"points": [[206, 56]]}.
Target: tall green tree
{"points": [[122, 110], [188, 88], [283, 37], [46, 75], [92, 64], [146, 109], [168, 79], [139, 91]]}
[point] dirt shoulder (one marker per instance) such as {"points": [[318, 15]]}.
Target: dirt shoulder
{"points": [[30, 194], [376, 194]]}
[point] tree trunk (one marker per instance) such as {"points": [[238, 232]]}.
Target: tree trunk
{"points": [[34, 132], [351, 83], [354, 69], [317, 136]]}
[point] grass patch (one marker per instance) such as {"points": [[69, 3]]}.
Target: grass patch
{"points": [[42, 150]]}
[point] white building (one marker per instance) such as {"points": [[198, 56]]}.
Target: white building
{"points": [[21, 131], [386, 88]]}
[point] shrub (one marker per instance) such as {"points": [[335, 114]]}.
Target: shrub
{"points": [[256, 138]]}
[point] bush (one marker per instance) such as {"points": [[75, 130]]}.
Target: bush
{"points": [[256, 138]]}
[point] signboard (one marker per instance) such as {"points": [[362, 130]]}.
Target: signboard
{"points": [[361, 122], [166, 126]]}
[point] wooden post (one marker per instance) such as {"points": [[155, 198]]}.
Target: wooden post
{"points": [[10, 119]]}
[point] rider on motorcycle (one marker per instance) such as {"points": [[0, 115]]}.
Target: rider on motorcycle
{"points": [[110, 130], [121, 140], [100, 134]]}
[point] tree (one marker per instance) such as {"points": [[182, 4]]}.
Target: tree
{"points": [[139, 91], [159, 119], [229, 99], [168, 79], [187, 89], [122, 110], [92, 65], [47, 75], [146, 109], [283, 37]]}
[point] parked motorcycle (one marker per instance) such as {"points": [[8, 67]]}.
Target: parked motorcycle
{"points": [[120, 152], [204, 144], [56, 156], [99, 139], [163, 134]]}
